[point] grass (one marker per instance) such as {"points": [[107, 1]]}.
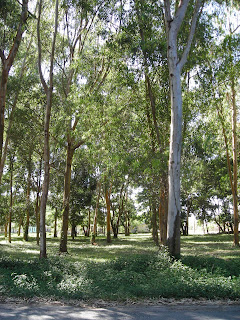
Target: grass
{"points": [[128, 268]]}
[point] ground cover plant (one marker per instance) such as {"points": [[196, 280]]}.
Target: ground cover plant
{"points": [[128, 268]]}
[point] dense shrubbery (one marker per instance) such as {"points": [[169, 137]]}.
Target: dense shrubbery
{"points": [[133, 276]]}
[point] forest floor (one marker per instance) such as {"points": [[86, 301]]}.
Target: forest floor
{"points": [[129, 270]]}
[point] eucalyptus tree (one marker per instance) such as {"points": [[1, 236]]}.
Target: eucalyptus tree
{"points": [[174, 14], [48, 89], [229, 71], [154, 66], [84, 67], [143, 43], [219, 79], [13, 18], [25, 136], [225, 79]]}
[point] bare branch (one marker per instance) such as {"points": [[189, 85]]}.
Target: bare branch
{"points": [[235, 29], [40, 49], [18, 38], [191, 34], [78, 144], [167, 10], [53, 46], [180, 14]]}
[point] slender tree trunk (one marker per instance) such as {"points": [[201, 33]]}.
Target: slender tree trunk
{"points": [[3, 93], [6, 227], [73, 231], [235, 169], [11, 203], [37, 207], [108, 205], [163, 212], [174, 155], [38, 200], [94, 234], [126, 216], [55, 224], [19, 226], [175, 65], [45, 185], [46, 154], [26, 228], [89, 221], [66, 196]]}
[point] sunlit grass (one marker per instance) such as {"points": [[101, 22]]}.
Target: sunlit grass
{"points": [[81, 249]]}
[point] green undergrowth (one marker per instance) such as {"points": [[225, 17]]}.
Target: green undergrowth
{"points": [[128, 268], [135, 276]]}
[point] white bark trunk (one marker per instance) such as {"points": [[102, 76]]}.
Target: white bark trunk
{"points": [[174, 158], [175, 66]]}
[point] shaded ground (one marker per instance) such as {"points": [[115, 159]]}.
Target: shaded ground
{"points": [[11, 311]]}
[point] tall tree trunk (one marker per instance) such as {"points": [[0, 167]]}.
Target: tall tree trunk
{"points": [[154, 222], [73, 231], [11, 202], [232, 177], [55, 224], [175, 65], [38, 200], [3, 93], [6, 226], [174, 155], [126, 217], [26, 227], [46, 154], [66, 196], [89, 221], [37, 207], [235, 169], [94, 233], [45, 185], [163, 212], [108, 206]]}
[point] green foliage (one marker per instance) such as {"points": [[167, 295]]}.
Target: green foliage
{"points": [[10, 11]]}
